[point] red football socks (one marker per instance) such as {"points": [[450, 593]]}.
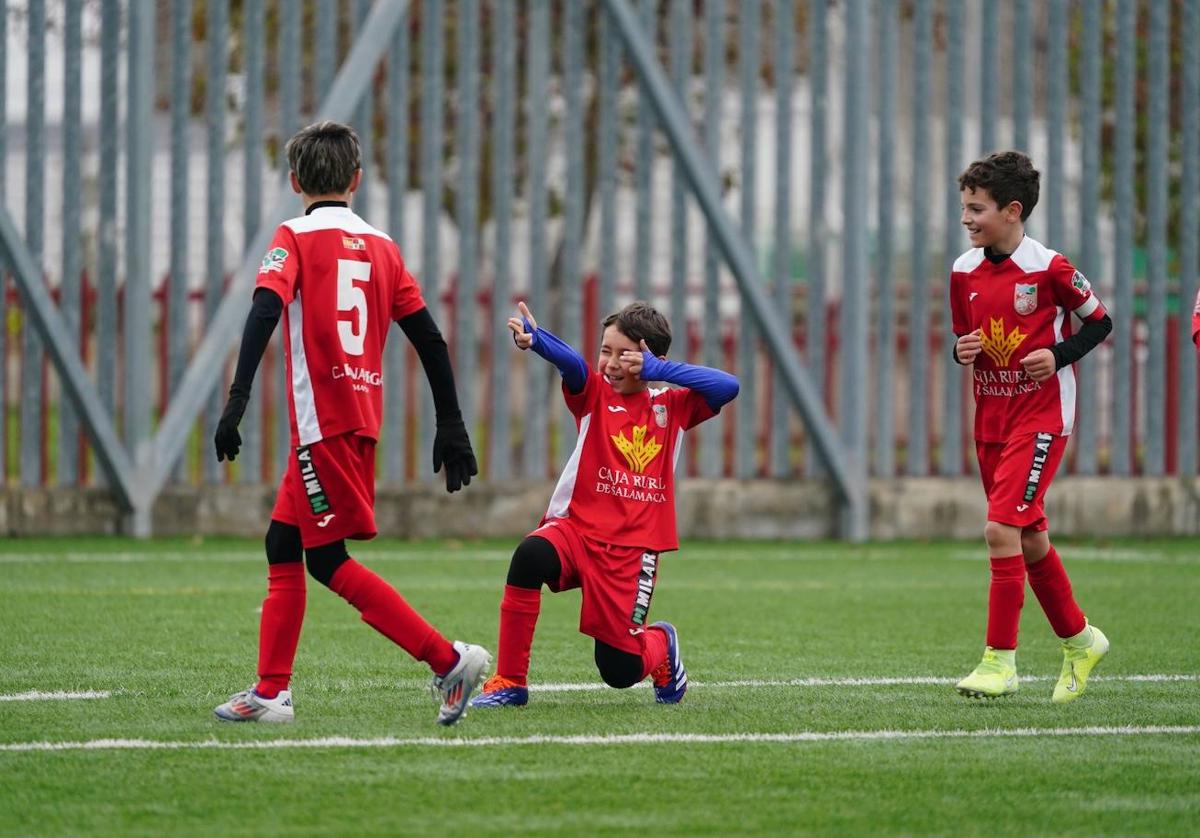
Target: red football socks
{"points": [[1005, 598], [654, 649], [384, 610], [519, 611], [1049, 581], [279, 628]]}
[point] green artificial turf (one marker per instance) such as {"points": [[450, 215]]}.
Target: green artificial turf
{"points": [[169, 629]]}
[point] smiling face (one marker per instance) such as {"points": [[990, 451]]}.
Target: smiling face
{"points": [[988, 224], [612, 344]]}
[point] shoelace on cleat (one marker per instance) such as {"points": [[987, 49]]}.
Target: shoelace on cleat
{"points": [[499, 682], [661, 674]]}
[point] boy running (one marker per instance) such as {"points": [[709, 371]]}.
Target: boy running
{"points": [[343, 283], [1011, 299], [612, 514]]}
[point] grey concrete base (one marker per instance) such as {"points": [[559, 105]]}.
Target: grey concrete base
{"points": [[909, 508]]}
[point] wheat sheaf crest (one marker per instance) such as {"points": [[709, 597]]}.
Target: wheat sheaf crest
{"points": [[638, 452], [1000, 346]]}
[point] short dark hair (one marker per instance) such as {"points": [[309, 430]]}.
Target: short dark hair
{"points": [[324, 156], [1007, 176], [640, 321]]}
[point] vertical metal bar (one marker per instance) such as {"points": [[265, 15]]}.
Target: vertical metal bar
{"points": [[72, 263], [950, 459], [363, 123], [1056, 115], [254, 58], [918, 343], [1022, 63], [504, 68], [216, 33], [325, 55], [35, 179], [785, 74], [290, 52], [536, 71], [1125, 83], [571, 279], [885, 108], [990, 26], [855, 285], [644, 173], [1087, 419], [466, 335], [606, 165], [396, 450], [711, 453], [432, 67], [1157, 125], [680, 35], [177, 279], [749, 68], [818, 230], [1189, 226], [4, 266], [106, 267]]}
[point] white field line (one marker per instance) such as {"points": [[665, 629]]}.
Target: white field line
{"points": [[37, 695], [851, 682], [584, 740]]}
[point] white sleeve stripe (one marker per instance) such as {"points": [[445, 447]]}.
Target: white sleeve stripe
{"points": [[1089, 305]]}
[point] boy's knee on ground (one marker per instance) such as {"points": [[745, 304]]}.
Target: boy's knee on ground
{"points": [[618, 669], [324, 561], [534, 563]]}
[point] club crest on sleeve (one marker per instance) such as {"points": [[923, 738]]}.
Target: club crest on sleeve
{"points": [[273, 261], [1025, 298], [660, 415], [1081, 284]]}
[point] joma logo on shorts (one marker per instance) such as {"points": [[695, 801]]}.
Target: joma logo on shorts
{"points": [[641, 605], [312, 486]]}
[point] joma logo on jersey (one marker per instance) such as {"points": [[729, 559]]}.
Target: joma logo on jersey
{"points": [[641, 606], [273, 261], [312, 486], [639, 451], [1041, 453], [999, 345]]}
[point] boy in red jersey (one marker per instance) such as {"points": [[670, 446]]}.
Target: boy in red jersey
{"points": [[1011, 299], [343, 283], [612, 514]]}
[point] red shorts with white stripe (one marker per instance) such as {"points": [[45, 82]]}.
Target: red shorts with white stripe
{"points": [[618, 583], [1016, 475], [328, 490]]}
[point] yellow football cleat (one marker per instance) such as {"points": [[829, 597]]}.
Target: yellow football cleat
{"points": [[1077, 666], [991, 679]]}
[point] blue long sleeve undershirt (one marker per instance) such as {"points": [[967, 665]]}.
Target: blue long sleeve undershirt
{"points": [[717, 387]]}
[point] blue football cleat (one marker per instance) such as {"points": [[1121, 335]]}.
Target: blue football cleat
{"points": [[670, 678], [501, 692]]}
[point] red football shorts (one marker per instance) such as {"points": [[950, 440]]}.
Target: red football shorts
{"points": [[617, 582], [328, 490], [1016, 475]]}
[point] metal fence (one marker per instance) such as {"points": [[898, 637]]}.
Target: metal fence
{"points": [[778, 176]]}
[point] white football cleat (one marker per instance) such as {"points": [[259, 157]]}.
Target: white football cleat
{"points": [[249, 706], [455, 687]]}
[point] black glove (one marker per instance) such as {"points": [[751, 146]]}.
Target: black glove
{"points": [[452, 447], [227, 439]]}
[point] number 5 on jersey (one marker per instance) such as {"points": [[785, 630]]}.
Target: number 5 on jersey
{"points": [[352, 278]]}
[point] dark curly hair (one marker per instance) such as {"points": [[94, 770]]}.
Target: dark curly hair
{"points": [[1007, 176]]}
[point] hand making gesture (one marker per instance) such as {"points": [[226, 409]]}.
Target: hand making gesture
{"points": [[517, 325]]}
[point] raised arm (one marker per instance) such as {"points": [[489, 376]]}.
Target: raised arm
{"points": [[526, 335]]}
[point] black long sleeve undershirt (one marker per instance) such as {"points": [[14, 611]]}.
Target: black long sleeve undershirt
{"points": [[1090, 335], [422, 332], [265, 312]]}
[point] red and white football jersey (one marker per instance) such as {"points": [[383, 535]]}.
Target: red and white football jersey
{"points": [[618, 487], [1021, 304], [343, 283]]}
